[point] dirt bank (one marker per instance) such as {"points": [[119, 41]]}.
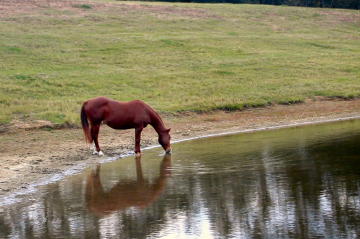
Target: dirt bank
{"points": [[28, 156]]}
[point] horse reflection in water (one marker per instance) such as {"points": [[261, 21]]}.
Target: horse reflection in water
{"points": [[139, 193]]}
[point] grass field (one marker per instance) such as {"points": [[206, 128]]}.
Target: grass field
{"points": [[177, 57]]}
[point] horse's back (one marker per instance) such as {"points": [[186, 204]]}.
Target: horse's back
{"points": [[101, 101], [126, 115], [135, 113], [118, 114]]}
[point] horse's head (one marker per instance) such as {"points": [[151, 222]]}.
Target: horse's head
{"points": [[164, 140]]}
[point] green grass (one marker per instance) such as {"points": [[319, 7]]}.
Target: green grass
{"points": [[176, 57], [84, 6]]}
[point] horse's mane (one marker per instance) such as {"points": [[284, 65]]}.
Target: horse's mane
{"points": [[158, 118]]}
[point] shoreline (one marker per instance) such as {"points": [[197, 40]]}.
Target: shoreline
{"points": [[11, 198], [37, 157]]}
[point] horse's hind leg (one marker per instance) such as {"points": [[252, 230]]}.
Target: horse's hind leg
{"points": [[94, 134]]}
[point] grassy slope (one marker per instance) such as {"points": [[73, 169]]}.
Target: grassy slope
{"points": [[174, 56]]}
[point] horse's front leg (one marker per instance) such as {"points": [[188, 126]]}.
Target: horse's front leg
{"points": [[137, 141]]}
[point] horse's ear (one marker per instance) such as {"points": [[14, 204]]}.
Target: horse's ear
{"points": [[168, 130]]}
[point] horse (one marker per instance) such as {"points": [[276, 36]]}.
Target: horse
{"points": [[121, 115], [138, 192]]}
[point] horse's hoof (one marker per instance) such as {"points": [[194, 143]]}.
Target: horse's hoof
{"points": [[100, 153], [168, 151]]}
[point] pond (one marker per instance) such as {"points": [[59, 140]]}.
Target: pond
{"points": [[301, 182]]}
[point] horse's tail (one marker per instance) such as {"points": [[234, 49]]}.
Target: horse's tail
{"points": [[85, 124]]}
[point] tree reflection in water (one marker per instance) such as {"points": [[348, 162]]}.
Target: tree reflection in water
{"points": [[218, 188]]}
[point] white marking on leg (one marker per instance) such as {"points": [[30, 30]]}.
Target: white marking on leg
{"points": [[101, 153]]}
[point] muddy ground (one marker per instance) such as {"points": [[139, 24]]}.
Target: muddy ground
{"points": [[30, 152]]}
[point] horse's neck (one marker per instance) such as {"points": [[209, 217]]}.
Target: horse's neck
{"points": [[157, 123]]}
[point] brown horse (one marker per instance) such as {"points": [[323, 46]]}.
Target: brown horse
{"points": [[139, 192], [121, 115]]}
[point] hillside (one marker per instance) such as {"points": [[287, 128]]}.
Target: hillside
{"points": [[177, 57]]}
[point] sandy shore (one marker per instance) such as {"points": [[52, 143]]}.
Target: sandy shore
{"points": [[31, 155]]}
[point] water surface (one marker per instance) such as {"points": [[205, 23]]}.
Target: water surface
{"points": [[291, 183]]}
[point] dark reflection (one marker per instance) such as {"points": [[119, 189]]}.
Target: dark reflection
{"points": [[128, 193], [292, 183], [312, 193]]}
